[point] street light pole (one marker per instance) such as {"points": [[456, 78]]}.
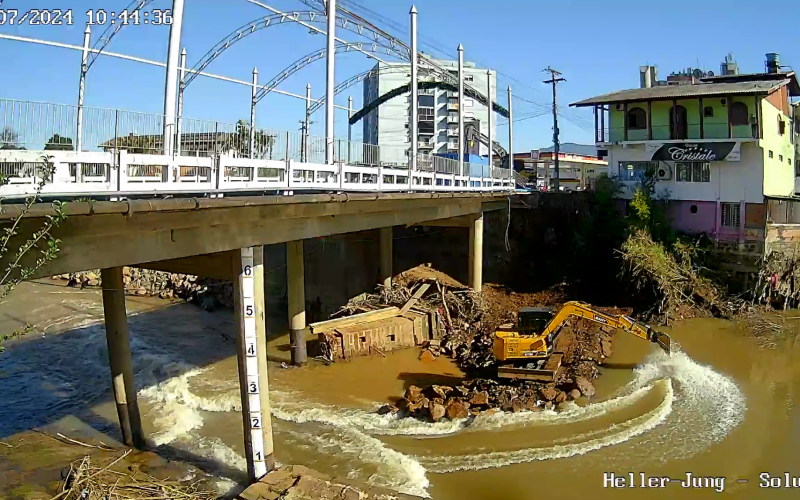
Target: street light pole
{"points": [[460, 109], [171, 84], [349, 127], [510, 134], [414, 128], [490, 119], [307, 124], [181, 89], [330, 80], [87, 35]]}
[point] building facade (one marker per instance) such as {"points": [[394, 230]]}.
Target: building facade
{"points": [[388, 124], [576, 172], [718, 148]]}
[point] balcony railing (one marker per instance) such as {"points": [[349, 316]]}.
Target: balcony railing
{"points": [[691, 133]]}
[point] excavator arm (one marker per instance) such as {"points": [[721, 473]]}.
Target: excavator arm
{"points": [[624, 323], [511, 344]]}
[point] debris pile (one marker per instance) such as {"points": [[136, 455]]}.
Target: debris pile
{"points": [[686, 292], [468, 321], [209, 294], [85, 481]]}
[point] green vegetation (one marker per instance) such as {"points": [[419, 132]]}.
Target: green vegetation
{"points": [[18, 238]]}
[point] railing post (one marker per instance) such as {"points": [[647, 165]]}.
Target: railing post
{"points": [[414, 128], [170, 86], [461, 108], [489, 120], [349, 126], [286, 153]]}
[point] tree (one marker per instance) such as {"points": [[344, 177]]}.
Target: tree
{"points": [[9, 139], [58, 143], [239, 141], [19, 237]]}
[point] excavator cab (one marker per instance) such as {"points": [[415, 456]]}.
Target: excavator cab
{"points": [[533, 320]]}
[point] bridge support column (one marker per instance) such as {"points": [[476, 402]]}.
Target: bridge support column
{"points": [[119, 357], [476, 253], [297, 300], [386, 256], [247, 267]]}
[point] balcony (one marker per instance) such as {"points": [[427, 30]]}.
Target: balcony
{"points": [[452, 93], [709, 119], [452, 106], [425, 144], [452, 119], [452, 132]]}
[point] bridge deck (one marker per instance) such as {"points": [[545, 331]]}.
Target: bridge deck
{"points": [[106, 234]]}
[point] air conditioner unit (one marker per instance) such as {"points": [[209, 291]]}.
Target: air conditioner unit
{"points": [[664, 173]]}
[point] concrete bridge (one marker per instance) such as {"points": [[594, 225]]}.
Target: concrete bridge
{"points": [[202, 197], [223, 238]]}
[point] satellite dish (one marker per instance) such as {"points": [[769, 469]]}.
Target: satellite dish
{"points": [[710, 73], [698, 73]]}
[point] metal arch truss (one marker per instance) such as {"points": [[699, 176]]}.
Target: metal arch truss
{"points": [[424, 61], [310, 58], [341, 87], [390, 47], [105, 37]]}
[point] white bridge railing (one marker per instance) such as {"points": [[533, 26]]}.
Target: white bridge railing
{"points": [[123, 155]]}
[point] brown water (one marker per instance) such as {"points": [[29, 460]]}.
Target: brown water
{"points": [[720, 407]]}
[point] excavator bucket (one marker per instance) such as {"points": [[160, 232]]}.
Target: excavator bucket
{"points": [[663, 340]]}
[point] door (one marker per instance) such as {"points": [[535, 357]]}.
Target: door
{"points": [[678, 126]]}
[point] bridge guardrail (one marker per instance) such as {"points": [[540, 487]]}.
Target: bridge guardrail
{"points": [[123, 152]]}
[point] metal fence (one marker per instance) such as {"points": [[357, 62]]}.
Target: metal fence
{"points": [[93, 154]]}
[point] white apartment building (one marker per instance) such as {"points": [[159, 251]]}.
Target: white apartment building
{"points": [[388, 124]]}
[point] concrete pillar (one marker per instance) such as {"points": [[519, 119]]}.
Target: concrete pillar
{"points": [[476, 253], [247, 266], [297, 300], [119, 357], [386, 256]]}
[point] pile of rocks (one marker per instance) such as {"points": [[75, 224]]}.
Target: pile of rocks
{"points": [[209, 294], [296, 482], [475, 397]]}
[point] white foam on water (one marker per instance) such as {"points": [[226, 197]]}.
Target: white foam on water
{"points": [[709, 404], [395, 470], [617, 433]]}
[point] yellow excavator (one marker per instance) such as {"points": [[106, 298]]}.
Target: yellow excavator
{"points": [[526, 351]]}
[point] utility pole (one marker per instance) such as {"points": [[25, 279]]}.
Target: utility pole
{"points": [[306, 126], [555, 77]]}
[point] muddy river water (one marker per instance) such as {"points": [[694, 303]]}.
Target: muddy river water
{"points": [[720, 409]]}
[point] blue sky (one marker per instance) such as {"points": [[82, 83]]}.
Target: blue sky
{"points": [[597, 45]]}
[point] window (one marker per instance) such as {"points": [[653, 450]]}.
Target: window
{"points": [[636, 170], [708, 112], [426, 100], [770, 154], [797, 168], [693, 172], [468, 78], [739, 114], [729, 214], [780, 158], [637, 119], [781, 126]]}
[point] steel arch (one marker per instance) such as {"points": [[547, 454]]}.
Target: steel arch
{"points": [[342, 86], [424, 61], [278, 19], [106, 39], [308, 59]]}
